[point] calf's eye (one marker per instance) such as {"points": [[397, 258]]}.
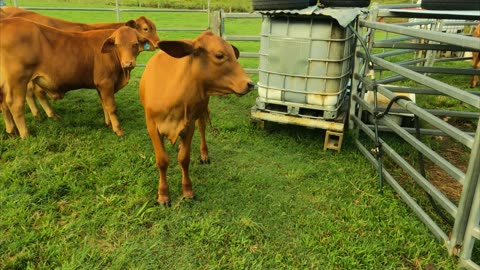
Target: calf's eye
{"points": [[145, 29], [219, 56]]}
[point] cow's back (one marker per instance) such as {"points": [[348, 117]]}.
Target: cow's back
{"points": [[16, 44], [56, 60], [45, 20]]}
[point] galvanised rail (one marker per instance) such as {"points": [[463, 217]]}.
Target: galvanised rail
{"points": [[464, 230], [218, 25], [118, 10], [215, 21]]}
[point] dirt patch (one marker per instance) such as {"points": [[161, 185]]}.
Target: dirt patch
{"points": [[458, 155]]}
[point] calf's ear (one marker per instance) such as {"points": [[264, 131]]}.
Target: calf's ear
{"points": [[237, 52], [108, 45], [177, 49], [131, 24]]}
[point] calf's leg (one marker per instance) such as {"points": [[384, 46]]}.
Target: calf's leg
{"points": [[15, 100], [107, 118], [476, 65], [202, 123], [43, 100], [184, 160], [110, 110], [7, 117], [30, 97], [162, 160]]}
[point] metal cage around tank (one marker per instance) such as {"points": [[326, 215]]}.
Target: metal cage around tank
{"points": [[305, 65]]}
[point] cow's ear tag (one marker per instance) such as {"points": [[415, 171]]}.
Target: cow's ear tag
{"points": [[146, 46]]}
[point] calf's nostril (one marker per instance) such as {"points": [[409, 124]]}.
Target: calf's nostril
{"points": [[250, 85], [128, 64]]}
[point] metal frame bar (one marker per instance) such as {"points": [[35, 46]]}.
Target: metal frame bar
{"points": [[466, 228], [222, 16], [436, 230]]}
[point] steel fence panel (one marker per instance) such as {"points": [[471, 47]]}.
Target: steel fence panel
{"points": [[465, 228]]}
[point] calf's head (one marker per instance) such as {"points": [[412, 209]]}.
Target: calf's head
{"points": [[214, 63], [145, 27], [127, 43]]}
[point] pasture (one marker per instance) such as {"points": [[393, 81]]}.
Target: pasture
{"points": [[76, 196]]}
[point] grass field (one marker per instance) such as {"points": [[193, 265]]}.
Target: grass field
{"points": [[76, 196]]}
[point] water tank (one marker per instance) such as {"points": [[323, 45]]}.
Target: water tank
{"points": [[305, 65]]}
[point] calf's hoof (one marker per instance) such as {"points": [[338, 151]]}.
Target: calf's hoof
{"points": [[13, 132], [164, 201], [54, 117], [120, 132], [188, 195], [38, 117], [204, 161]]}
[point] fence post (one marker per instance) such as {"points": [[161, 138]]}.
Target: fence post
{"points": [[222, 23], [465, 206], [208, 13], [117, 10], [216, 21]]}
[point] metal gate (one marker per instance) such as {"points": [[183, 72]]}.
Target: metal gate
{"points": [[390, 152]]}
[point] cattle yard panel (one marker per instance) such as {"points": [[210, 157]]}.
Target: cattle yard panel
{"points": [[219, 22], [118, 11], [216, 21], [381, 148]]}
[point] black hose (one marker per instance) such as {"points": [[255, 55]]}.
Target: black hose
{"points": [[421, 163], [377, 151], [378, 145]]}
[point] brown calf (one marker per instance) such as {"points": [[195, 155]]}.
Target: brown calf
{"points": [[143, 25], [60, 61], [174, 91], [476, 59]]}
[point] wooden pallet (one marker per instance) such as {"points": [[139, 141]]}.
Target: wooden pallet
{"points": [[300, 110], [334, 128]]}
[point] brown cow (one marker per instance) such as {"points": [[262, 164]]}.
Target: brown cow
{"points": [[60, 61], [143, 25], [476, 59], [174, 91]]}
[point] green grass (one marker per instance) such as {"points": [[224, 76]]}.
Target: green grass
{"points": [[76, 196]]}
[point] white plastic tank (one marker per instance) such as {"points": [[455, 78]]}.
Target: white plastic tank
{"points": [[306, 63]]}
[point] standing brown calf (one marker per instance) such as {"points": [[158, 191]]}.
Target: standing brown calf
{"points": [[60, 61], [476, 59], [174, 91], [143, 25]]}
